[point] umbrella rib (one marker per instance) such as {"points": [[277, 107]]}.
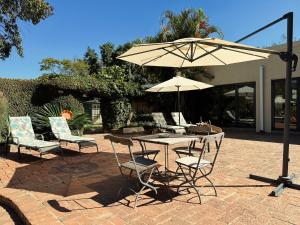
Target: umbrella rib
{"points": [[246, 53], [269, 51], [193, 53], [180, 49], [138, 53], [210, 53], [168, 52], [207, 52], [185, 56], [171, 52]]}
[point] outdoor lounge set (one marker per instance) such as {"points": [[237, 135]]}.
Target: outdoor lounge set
{"points": [[192, 163], [191, 167], [23, 135]]}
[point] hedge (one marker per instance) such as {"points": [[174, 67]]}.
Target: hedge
{"points": [[115, 113], [25, 96], [3, 118], [19, 94], [108, 88]]}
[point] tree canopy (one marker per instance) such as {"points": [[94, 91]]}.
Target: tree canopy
{"points": [[188, 23], [11, 11], [93, 61], [104, 65], [75, 67]]}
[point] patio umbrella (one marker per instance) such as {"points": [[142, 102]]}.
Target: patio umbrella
{"points": [[243, 91], [193, 52], [178, 84]]}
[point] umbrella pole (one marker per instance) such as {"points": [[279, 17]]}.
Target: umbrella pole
{"points": [[285, 180], [178, 106]]}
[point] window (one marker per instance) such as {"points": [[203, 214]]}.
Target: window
{"points": [[227, 105], [95, 111], [278, 104]]}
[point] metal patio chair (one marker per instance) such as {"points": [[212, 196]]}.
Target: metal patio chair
{"points": [[62, 132], [22, 134], [199, 167], [142, 167], [146, 152]]}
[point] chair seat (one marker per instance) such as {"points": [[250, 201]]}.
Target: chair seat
{"points": [[191, 161], [147, 152], [142, 164], [185, 151], [39, 143], [73, 138]]}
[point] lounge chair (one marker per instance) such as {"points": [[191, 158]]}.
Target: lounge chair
{"points": [[160, 122], [62, 132], [23, 136], [175, 116], [142, 167]]}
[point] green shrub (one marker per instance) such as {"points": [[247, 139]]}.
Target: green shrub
{"points": [[40, 118], [115, 113], [19, 94], [3, 118], [69, 102], [89, 85]]}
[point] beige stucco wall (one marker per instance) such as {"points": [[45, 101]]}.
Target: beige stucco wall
{"points": [[274, 68]]}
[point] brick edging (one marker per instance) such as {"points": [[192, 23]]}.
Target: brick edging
{"points": [[31, 210], [8, 202]]}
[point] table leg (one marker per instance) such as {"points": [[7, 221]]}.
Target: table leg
{"points": [[166, 159]]}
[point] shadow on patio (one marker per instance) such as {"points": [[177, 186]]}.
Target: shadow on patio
{"points": [[78, 178], [252, 135]]}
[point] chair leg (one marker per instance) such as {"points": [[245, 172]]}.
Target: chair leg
{"points": [[97, 148], [145, 185], [191, 182], [212, 184], [19, 152], [155, 156], [197, 191], [79, 146], [7, 146], [184, 182], [137, 196]]}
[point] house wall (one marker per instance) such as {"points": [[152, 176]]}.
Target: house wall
{"points": [[274, 68]]}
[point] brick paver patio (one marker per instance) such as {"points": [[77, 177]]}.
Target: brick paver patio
{"points": [[80, 188]]}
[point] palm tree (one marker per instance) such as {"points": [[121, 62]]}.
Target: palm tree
{"points": [[188, 23]]}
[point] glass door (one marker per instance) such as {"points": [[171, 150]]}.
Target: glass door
{"points": [[278, 92], [246, 105], [240, 104]]}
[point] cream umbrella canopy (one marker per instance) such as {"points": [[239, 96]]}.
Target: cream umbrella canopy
{"points": [[193, 52], [178, 84]]}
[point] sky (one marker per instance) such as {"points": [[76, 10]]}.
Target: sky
{"points": [[78, 24]]}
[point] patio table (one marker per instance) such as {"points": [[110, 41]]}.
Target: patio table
{"points": [[166, 141]]}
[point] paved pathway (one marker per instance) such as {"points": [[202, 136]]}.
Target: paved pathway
{"points": [[80, 188]]}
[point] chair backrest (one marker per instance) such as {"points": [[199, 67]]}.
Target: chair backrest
{"points": [[175, 116], [208, 141], [159, 118], [122, 141], [59, 126], [21, 128]]}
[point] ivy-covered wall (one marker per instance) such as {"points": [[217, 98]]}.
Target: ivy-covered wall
{"points": [[115, 113], [19, 94], [25, 96]]}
